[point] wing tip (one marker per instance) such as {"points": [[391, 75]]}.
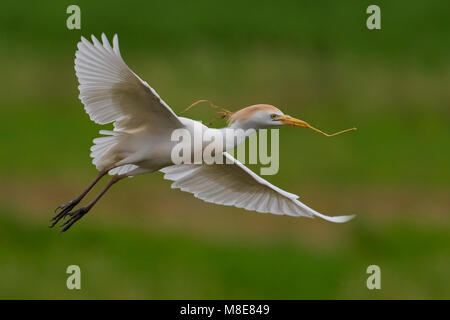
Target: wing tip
{"points": [[339, 219], [115, 42]]}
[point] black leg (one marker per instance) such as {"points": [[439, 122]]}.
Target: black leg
{"points": [[66, 208], [79, 213]]}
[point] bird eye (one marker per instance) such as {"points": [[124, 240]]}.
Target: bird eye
{"points": [[273, 116]]}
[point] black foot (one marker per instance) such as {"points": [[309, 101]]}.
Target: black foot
{"points": [[65, 210], [74, 217]]}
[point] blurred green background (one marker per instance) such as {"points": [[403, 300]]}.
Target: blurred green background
{"points": [[316, 60]]}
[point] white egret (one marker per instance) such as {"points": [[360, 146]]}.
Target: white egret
{"points": [[141, 140]]}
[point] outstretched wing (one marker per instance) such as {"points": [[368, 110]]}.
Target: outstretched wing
{"points": [[111, 92], [236, 185]]}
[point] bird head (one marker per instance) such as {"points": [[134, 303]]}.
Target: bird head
{"points": [[258, 116], [262, 116]]}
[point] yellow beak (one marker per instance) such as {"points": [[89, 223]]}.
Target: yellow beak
{"points": [[289, 121]]}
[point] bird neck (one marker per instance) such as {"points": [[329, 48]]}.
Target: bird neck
{"points": [[236, 134]]}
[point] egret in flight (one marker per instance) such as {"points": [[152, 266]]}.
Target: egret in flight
{"points": [[141, 140]]}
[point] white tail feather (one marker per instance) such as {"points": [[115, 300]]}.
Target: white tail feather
{"points": [[100, 152]]}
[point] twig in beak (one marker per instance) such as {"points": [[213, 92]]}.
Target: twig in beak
{"points": [[331, 135]]}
